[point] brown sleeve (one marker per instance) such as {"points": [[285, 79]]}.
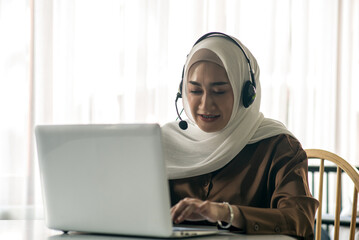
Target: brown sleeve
{"points": [[292, 208]]}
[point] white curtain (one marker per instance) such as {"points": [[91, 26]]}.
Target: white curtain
{"points": [[114, 61]]}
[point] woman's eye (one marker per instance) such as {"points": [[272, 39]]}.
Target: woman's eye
{"points": [[219, 92], [195, 91]]}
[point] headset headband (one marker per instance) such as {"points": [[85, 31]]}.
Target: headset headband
{"points": [[223, 35]]}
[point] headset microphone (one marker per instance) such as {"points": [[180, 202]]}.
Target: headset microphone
{"points": [[182, 124]]}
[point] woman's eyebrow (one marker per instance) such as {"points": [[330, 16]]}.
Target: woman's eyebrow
{"points": [[194, 83], [212, 84], [219, 83]]}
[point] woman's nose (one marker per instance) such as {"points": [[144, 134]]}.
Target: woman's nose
{"points": [[206, 102]]}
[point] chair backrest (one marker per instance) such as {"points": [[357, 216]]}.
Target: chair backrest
{"points": [[352, 172]]}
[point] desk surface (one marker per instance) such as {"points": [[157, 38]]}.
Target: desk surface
{"points": [[37, 230]]}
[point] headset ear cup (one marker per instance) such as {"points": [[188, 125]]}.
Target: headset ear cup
{"points": [[248, 94]]}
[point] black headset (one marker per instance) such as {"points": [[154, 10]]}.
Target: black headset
{"points": [[249, 88]]}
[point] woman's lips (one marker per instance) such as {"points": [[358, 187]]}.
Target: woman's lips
{"points": [[208, 118]]}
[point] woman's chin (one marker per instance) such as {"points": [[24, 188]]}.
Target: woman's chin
{"points": [[210, 127]]}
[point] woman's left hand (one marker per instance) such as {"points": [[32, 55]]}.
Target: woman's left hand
{"points": [[193, 209]]}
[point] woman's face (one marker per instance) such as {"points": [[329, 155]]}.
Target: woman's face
{"points": [[210, 96]]}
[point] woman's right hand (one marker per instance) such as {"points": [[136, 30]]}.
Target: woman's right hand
{"points": [[192, 209]]}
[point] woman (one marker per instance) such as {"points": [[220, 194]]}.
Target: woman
{"points": [[232, 166]]}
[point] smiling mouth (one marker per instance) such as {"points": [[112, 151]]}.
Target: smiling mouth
{"points": [[208, 118]]}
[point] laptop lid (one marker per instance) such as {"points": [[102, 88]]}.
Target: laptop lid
{"points": [[104, 179]]}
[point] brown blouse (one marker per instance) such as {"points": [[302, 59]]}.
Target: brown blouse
{"points": [[267, 181]]}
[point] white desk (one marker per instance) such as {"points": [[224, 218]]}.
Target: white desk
{"points": [[37, 230]]}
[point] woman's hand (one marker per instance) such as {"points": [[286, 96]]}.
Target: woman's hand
{"points": [[196, 210]]}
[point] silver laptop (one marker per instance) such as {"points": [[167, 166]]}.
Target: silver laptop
{"points": [[106, 179]]}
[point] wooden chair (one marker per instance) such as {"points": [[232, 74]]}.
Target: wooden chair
{"points": [[352, 172]]}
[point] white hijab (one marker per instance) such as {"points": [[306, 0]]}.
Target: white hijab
{"points": [[193, 152]]}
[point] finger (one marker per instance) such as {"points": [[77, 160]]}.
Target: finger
{"points": [[175, 212], [186, 213], [177, 209], [187, 210], [173, 209]]}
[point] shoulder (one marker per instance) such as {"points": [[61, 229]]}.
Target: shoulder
{"points": [[287, 156], [170, 126], [282, 144], [170, 130], [280, 149]]}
